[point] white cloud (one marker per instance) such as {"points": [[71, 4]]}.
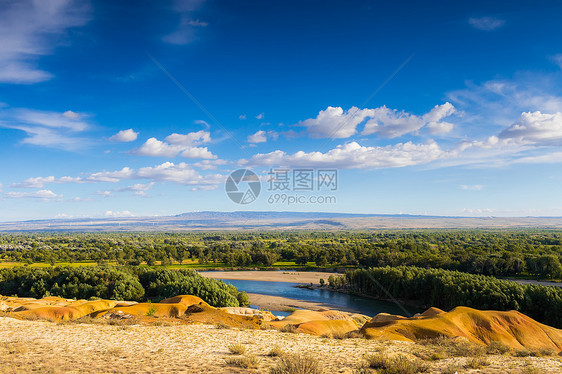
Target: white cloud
{"points": [[259, 137], [30, 29], [111, 176], [334, 122], [354, 156], [242, 116], [471, 187], [139, 188], [184, 145], [124, 213], [190, 139], [486, 23], [535, 128], [180, 173], [49, 129], [260, 116], [39, 182], [128, 135], [104, 193], [41, 194]]}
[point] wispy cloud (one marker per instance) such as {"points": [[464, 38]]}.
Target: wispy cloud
{"points": [[30, 29], [49, 129], [471, 187], [486, 23], [186, 29], [41, 194]]}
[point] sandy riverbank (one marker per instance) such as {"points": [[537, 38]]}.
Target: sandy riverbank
{"points": [[282, 304], [271, 276]]}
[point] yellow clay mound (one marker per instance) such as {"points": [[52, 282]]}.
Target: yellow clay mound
{"points": [[64, 313], [147, 309], [328, 322], [327, 328], [511, 328], [187, 300]]}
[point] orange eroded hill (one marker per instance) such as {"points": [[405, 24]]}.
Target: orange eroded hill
{"points": [[511, 328]]}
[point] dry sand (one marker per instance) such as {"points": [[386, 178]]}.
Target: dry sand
{"points": [[46, 347], [271, 276]]}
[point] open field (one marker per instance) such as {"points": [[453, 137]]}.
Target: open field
{"points": [[33, 346]]}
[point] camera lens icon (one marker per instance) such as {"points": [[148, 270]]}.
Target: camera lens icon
{"points": [[243, 186]]}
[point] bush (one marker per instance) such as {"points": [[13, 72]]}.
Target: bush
{"points": [[245, 362], [395, 365], [497, 348], [297, 364], [243, 298], [237, 349]]}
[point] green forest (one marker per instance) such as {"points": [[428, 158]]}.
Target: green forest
{"points": [[447, 289], [536, 254], [117, 283]]}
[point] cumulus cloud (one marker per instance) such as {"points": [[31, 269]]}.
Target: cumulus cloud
{"points": [[259, 137], [49, 129], [138, 189], [260, 116], [354, 156], [486, 23], [186, 145], [334, 122], [41, 194], [242, 116], [181, 173], [535, 128], [29, 29], [128, 135]]}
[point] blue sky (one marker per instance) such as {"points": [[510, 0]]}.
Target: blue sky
{"points": [[144, 108]]}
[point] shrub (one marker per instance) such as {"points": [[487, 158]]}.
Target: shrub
{"points": [[245, 362], [395, 365], [497, 348], [275, 352], [237, 349], [476, 363], [151, 310], [297, 364]]}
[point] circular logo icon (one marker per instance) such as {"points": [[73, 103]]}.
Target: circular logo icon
{"points": [[243, 186]]}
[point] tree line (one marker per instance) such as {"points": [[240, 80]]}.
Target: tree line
{"points": [[448, 289], [117, 283], [535, 253]]}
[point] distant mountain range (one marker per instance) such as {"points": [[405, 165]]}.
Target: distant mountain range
{"points": [[269, 220]]}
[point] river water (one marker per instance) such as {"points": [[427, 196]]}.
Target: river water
{"points": [[358, 304]]}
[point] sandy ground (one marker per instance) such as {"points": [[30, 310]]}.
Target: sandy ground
{"points": [[46, 347], [277, 303], [270, 276]]}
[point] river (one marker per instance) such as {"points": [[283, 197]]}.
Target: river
{"points": [[358, 304]]}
